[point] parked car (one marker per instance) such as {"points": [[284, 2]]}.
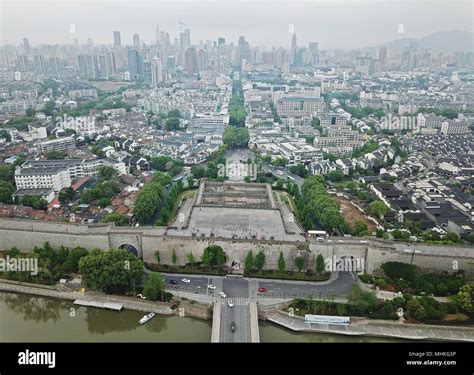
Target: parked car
{"points": [[262, 290], [174, 282]]}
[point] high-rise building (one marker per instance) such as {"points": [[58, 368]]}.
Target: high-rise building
{"points": [[53, 66], [294, 47], [185, 40], [190, 60], [26, 46], [187, 37], [136, 41], [164, 39], [267, 57], [313, 47], [88, 66], [156, 71], [102, 66], [243, 52], [117, 39], [296, 54], [202, 63], [22, 63], [146, 76], [39, 64], [279, 58], [220, 41], [298, 57], [170, 63], [111, 63], [135, 65]]}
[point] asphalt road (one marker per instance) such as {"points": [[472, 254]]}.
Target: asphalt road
{"points": [[240, 316], [237, 291], [238, 288], [197, 284], [235, 287], [282, 289]]}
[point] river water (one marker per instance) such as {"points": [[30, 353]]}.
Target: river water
{"points": [[25, 318]]}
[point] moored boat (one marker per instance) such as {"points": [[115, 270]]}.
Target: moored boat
{"points": [[146, 318]]}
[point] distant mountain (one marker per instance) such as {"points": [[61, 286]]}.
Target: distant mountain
{"points": [[442, 41]]}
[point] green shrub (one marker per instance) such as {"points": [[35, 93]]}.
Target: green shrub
{"points": [[399, 302], [407, 297], [367, 278], [397, 270], [441, 289]]}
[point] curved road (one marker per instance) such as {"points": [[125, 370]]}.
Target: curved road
{"points": [[244, 288]]}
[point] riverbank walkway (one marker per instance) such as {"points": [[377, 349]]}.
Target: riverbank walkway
{"points": [[91, 297], [100, 305], [377, 328]]}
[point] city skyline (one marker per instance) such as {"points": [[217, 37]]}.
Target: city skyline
{"points": [[334, 22]]}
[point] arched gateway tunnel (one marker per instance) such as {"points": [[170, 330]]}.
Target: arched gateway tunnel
{"points": [[131, 249]]}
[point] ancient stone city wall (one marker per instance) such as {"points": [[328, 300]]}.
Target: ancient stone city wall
{"points": [[26, 235]]}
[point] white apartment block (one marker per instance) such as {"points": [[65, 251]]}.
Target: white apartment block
{"points": [[449, 127], [340, 151], [339, 140], [333, 85], [299, 106], [407, 108], [85, 93], [60, 144], [299, 153], [83, 125], [295, 152], [429, 120], [327, 120], [55, 178], [59, 174]]}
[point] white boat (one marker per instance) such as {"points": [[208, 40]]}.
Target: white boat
{"points": [[146, 318]]}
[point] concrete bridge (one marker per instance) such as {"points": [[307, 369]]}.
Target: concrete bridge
{"points": [[244, 317], [238, 310]]}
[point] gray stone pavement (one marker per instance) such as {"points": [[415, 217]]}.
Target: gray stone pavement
{"points": [[365, 327], [127, 302]]}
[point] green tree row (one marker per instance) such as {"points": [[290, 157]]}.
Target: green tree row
{"points": [[150, 197], [320, 205], [53, 264]]}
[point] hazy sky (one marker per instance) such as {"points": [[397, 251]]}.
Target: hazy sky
{"points": [[334, 23]]}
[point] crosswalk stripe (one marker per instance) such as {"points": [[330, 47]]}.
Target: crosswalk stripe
{"points": [[239, 301]]}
